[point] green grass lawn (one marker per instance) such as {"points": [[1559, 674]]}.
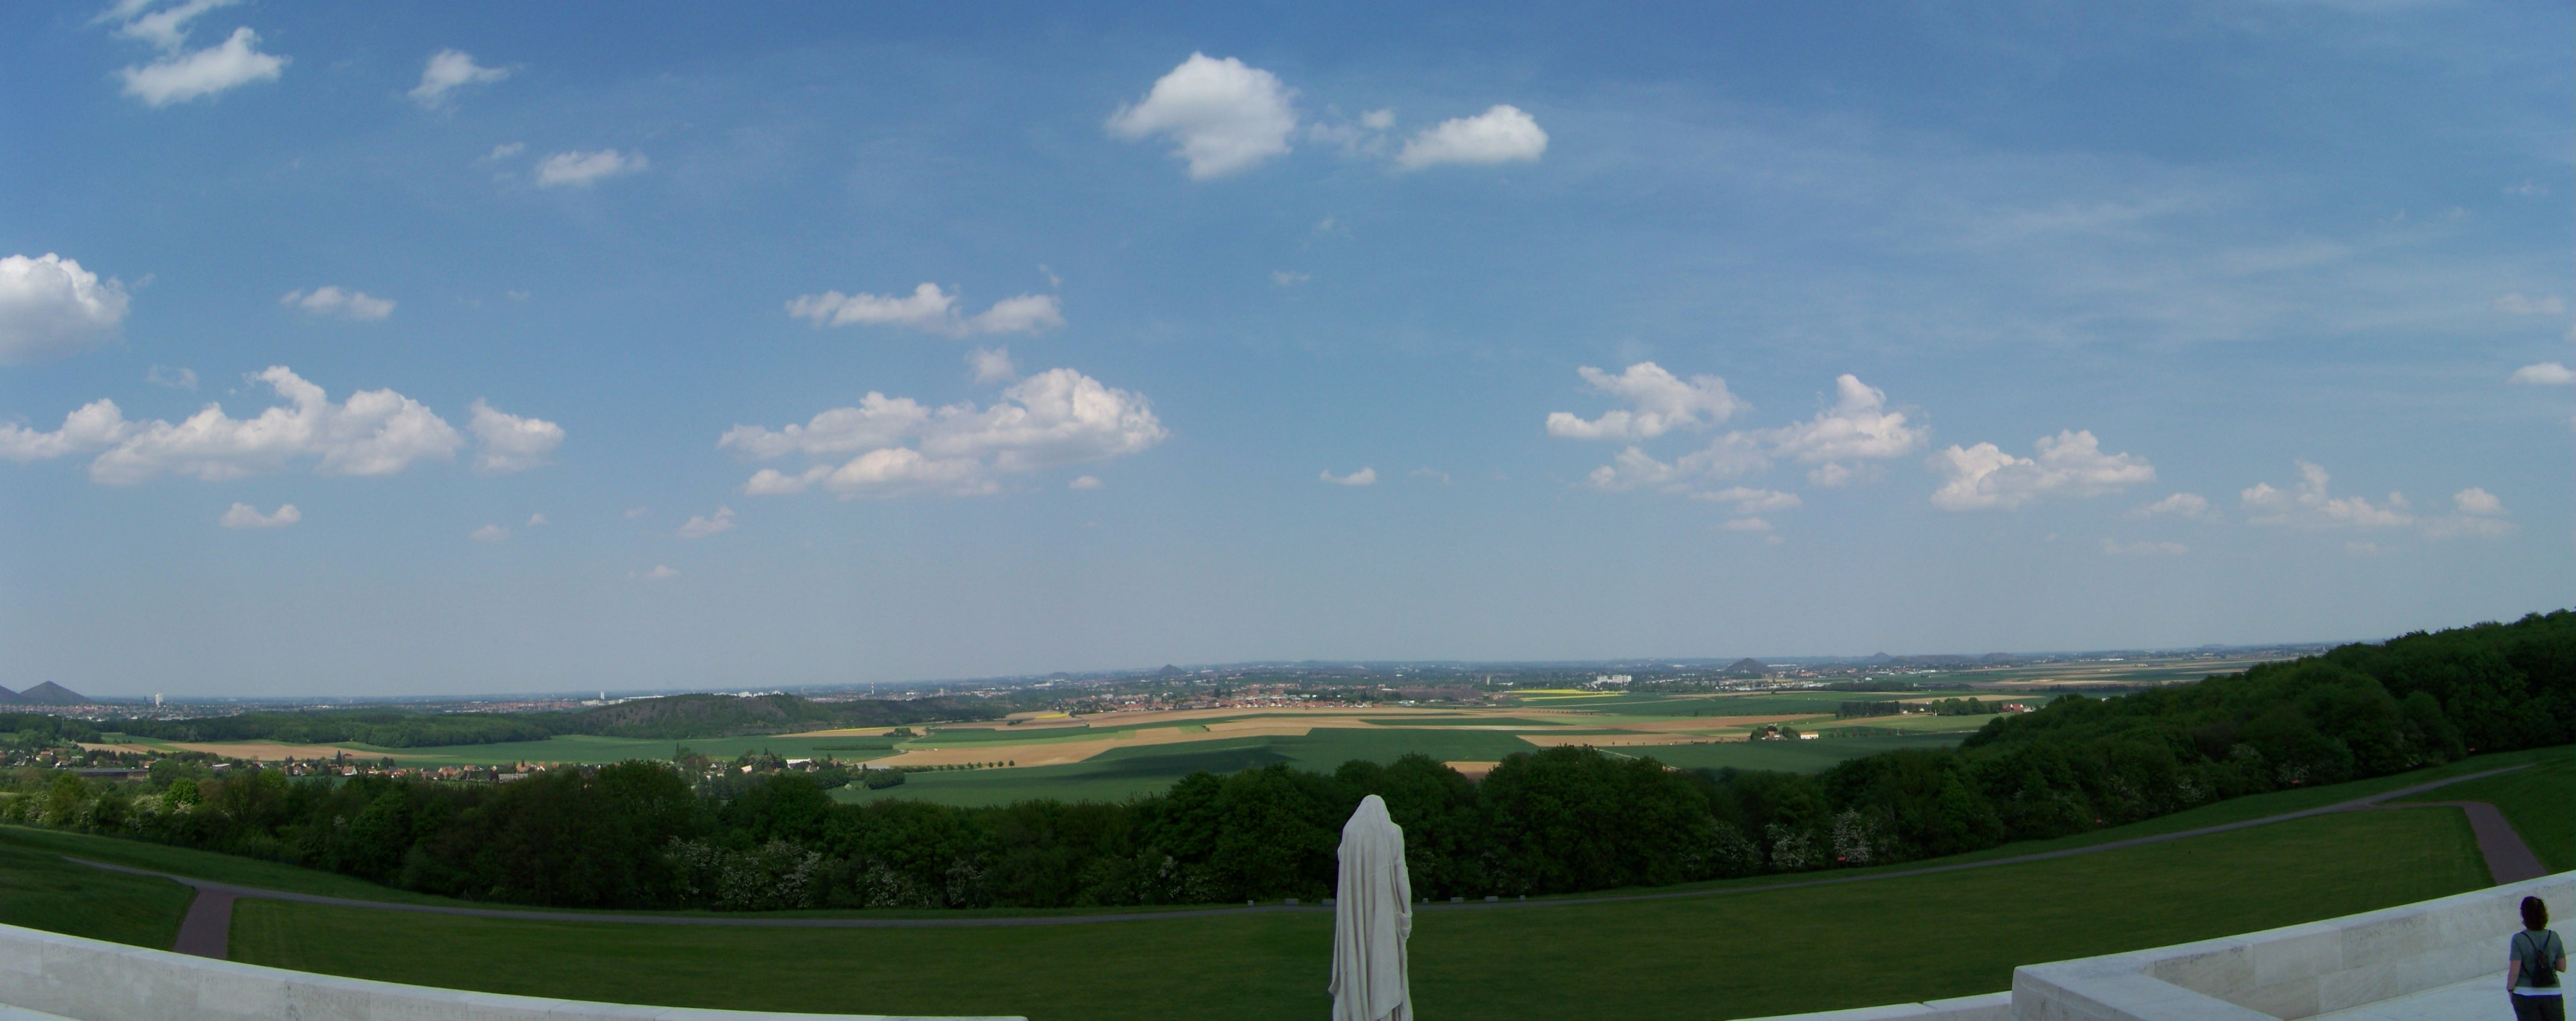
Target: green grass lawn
{"points": [[2540, 802], [39, 890], [1736, 955]]}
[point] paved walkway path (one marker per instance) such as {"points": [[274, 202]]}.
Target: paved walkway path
{"points": [[228, 891], [208, 929]]}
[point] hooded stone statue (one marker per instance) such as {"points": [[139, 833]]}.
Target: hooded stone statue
{"points": [[1372, 917]]}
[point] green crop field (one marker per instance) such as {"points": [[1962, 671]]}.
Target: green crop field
{"points": [[1802, 756], [1720, 956]]}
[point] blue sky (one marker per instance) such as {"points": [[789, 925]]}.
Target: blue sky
{"points": [[638, 346]]}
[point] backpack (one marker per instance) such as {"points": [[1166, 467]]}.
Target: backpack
{"points": [[2539, 970]]}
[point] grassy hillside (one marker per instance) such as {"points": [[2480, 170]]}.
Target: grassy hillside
{"points": [[1713, 957], [39, 890]]}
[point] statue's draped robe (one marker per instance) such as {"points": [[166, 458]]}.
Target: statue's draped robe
{"points": [[1372, 917]]}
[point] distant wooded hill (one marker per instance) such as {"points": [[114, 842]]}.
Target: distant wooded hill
{"points": [[678, 717]]}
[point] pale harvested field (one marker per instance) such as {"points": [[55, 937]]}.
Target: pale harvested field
{"points": [[1708, 723], [133, 748], [271, 751]]}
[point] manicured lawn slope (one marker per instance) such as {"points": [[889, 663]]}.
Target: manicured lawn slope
{"points": [[39, 890], [2540, 802], [1713, 957]]}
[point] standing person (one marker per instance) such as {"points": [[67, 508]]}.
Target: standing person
{"points": [[2531, 973]]}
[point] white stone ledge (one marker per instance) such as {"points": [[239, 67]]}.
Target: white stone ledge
{"points": [[92, 980], [2297, 971], [1989, 1007]]}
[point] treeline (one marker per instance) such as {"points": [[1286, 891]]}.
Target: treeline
{"points": [[38, 730], [1555, 821], [379, 727], [1966, 707], [678, 717]]}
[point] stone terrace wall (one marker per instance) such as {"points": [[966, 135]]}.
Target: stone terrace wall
{"points": [[92, 980], [2294, 972], [2288, 973]]}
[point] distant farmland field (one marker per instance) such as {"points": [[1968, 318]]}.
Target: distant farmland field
{"points": [[1114, 756], [567, 748]]}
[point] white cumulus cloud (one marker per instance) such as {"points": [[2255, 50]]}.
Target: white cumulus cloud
{"points": [[165, 28], [1857, 426], [447, 71], [2310, 504], [51, 307], [2181, 505], [1222, 115], [509, 443], [581, 169], [992, 366], [243, 516], [373, 432], [1056, 417], [700, 527], [1658, 403], [178, 78], [2545, 374], [332, 301], [1364, 477], [930, 309], [1725, 458], [1839, 440], [1499, 135], [2477, 514], [2071, 463], [1750, 501]]}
